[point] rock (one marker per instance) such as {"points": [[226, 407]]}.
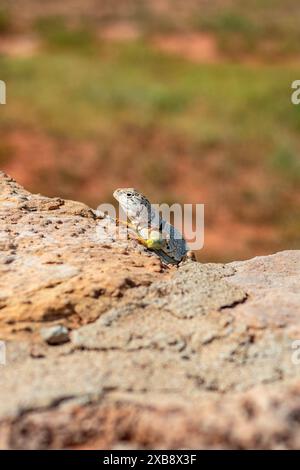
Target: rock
{"points": [[199, 356], [54, 266], [57, 334]]}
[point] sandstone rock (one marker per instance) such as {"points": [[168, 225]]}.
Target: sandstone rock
{"points": [[200, 356], [55, 267]]}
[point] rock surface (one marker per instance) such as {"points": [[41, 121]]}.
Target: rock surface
{"points": [[200, 356]]}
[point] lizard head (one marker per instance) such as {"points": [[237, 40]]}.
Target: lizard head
{"points": [[132, 202]]}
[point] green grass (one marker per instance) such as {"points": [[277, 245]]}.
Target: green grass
{"points": [[228, 21], [84, 95], [57, 34], [269, 29]]}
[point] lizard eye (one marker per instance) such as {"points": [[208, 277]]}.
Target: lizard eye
{"points": [[129, 194]]}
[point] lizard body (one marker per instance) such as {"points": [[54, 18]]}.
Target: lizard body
{"points": [[151, 229]]}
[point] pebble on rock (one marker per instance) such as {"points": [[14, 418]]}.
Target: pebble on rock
{"points": [[57, 334]]}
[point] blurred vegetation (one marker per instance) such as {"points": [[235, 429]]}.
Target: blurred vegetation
{"points": [[143, 110], [57, 34], [287, 163], [5, 21], [82, 94], [268, 28]]}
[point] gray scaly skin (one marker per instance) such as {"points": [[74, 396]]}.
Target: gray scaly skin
{"points": [[151, 229]]}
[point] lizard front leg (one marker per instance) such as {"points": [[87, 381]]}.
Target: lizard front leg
{"points": [[151, 239]]}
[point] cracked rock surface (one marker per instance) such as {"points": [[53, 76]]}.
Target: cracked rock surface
{"points": [[200, 356]]}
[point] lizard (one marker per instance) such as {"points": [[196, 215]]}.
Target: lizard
{"points": [[150, 228]]}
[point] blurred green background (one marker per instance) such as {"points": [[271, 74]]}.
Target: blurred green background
{"points": [[188, 101]]}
